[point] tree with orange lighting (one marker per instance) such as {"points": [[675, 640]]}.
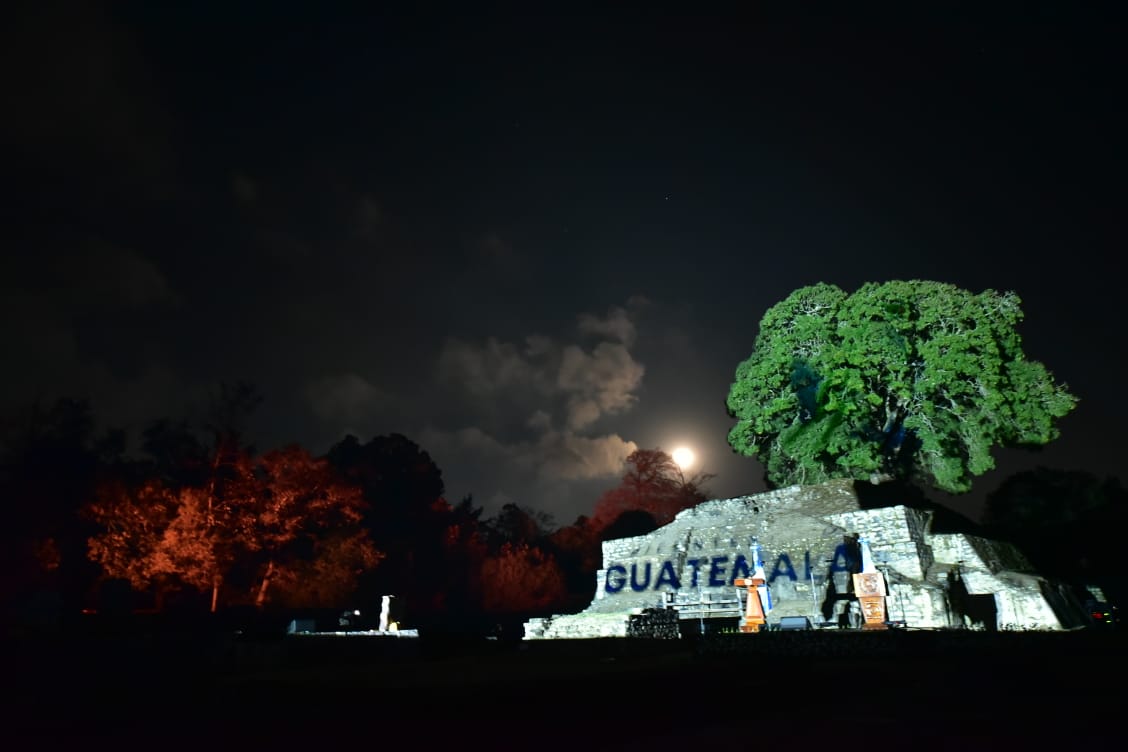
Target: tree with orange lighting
{"points": [[521, 578], [299, 518], [282, 527]]}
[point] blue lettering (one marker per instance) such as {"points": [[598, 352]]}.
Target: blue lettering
{"points": [[841, 554], [740, 569], [634, 578], [616, 577], [667, 577], [695, 563], [618, 585], [717, 572], [783, 561]]}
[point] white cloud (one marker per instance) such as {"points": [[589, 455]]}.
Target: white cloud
{"points": [[567, 456], [534, 406], [493, 367], [602, 381], [572, 385]]}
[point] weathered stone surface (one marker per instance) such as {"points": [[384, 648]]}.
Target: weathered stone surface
{"points": [[808, 544]]}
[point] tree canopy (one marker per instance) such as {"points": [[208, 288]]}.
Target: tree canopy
{"points": [[276, 521], [909, 379]]}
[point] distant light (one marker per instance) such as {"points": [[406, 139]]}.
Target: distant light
{"points": [[683, 456], [356, 612]]}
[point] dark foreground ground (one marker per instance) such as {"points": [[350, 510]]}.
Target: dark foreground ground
{"points": [[824, 691]]}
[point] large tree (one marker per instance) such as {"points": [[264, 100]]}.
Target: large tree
{"points": [[911, 379], [410, 522], [283, 528]]}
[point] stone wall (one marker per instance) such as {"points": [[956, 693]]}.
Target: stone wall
{"points": [[808, 543]]}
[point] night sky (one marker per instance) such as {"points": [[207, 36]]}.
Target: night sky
{"points": [[534, 244]]}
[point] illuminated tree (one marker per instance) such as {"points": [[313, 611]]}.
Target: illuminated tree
{"points": [[276, 522], [297, 516], [652, 483], [521, 578], [133, 522], [915, 380]]}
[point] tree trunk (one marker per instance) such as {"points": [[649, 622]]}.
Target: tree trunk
{"points": [[211, 515], [260, 599]]}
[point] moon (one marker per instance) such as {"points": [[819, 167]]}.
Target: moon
{"points": [[683, 456]]}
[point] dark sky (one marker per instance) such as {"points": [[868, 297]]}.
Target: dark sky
{"points": [[532, 244]]}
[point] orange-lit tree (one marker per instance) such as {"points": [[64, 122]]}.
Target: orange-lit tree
{"points": [[298, 519], [154, 537], [281, 527], [521, 578]]}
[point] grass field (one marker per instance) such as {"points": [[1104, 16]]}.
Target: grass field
{"points": [[800, 690]]}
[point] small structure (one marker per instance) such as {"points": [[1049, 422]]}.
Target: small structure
{"points": [[869, 587], [385, 608], [349, 625], [759, 597]]}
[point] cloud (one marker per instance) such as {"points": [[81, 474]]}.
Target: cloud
{"points": [[555, 456], [530, 410], [495, 366], [572, 385], [552, 472], [48, 296], [345, 398], [599, 382], [567, 456], [617, 325]]}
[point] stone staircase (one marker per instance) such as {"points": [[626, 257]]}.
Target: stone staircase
{"points": [[650, 623]]}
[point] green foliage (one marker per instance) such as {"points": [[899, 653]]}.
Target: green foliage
{"points": [[908, 379]]}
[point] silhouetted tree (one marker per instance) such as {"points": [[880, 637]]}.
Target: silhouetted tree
{"points": [[50, 462], [577, 550], [175, 453], [517, 524], [1068, 523], [408, 519], [653, 483], [629, 524]]}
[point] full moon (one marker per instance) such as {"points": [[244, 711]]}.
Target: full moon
{"points": [[683, 456]]}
